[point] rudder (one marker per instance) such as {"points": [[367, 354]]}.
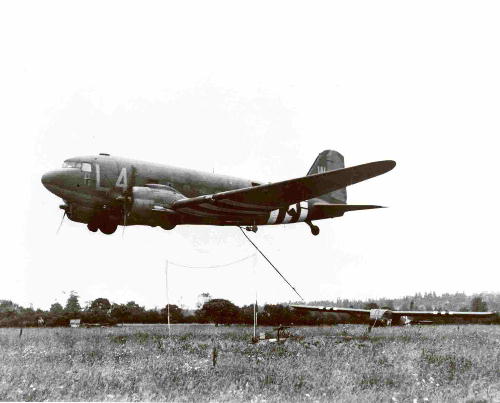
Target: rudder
{"points": [[329, 160]]}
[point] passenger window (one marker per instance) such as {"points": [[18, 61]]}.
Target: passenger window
{"points": [[86, 167]]}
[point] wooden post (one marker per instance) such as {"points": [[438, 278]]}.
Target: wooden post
{"points": [[255, 318], [214, 356], [168, 301]]}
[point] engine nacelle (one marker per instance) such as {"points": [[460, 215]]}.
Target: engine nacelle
{"points": [[79, 213], [150, 199]]}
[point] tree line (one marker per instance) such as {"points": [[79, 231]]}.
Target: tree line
{"points": [[213, 310]]}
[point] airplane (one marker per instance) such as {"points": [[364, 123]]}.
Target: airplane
{"points": [[388, 317], [105, 191]]}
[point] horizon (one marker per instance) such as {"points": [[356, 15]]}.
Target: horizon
{"points": [[85, 304]]}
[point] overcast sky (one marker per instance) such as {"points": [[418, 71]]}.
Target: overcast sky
{"points": [[256, 90]]}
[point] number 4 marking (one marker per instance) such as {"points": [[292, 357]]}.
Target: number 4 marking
{"points": [[122, 179]]}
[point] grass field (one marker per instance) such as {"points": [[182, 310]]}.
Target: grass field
{"points": [[341, 363]]}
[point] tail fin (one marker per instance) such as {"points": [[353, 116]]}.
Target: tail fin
{"points": [[329, 160]]}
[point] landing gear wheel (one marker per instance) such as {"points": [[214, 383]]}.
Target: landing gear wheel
{"points": [[252, 228], [108, 227], [92, 226], [168, 227], [314, 228]]}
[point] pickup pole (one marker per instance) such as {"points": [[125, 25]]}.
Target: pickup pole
{"points": [[255, 303]]}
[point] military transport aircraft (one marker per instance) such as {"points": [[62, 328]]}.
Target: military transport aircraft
{"points": [[389, 317], [105, 191]]}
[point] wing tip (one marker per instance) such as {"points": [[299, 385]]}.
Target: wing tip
{"points": [[388, 165]]}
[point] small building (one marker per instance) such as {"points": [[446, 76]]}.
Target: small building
{"points": [[74, 322]]}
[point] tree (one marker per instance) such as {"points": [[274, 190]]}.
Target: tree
{"points": [[136, 311], [120, 312], [72, 304], [176, 314], [8, 306], [152, 316], [276, 315], [220, 311], [100, 305], [389, 304], [56, 308], [478, 305], [371, 305], [246, 314]]}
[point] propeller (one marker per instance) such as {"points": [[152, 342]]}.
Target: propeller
{"points": [[127, 198], [125, 214], [61, 223]]}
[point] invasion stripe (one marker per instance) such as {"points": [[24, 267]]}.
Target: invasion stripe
{"points": [[304, 211], [272, 217], [247, 205], [292, 218], [198, 213], [288, 218], [281, 215], [204, 212], [229, 210]]}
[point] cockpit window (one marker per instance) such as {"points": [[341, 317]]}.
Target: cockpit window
{"points": [[72, 164], [83, 166]]}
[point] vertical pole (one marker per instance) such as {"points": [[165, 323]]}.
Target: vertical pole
{"points": [[254, 319], [255, 303], [168, 301]]}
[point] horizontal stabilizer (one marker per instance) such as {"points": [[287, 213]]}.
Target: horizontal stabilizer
{"points": [[431, 314], [326, 210]]}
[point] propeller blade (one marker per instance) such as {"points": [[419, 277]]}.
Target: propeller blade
{"points": [[124, 215], [60, 224], [128, 197]]}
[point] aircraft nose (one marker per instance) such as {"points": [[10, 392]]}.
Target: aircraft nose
{"points": [[49, 178], [59, 181], [56, 181]]}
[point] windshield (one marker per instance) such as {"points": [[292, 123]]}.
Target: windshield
{"points": [[84, 166], [72, 164]]}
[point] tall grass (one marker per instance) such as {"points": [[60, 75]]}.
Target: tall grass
{"points": [[435, 363]]}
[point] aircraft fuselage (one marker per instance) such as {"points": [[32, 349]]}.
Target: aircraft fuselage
{"points": [[104, 191]]}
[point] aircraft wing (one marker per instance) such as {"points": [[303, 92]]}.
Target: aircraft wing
{"points": [[376, 313], [264, 198], [332, 309]]}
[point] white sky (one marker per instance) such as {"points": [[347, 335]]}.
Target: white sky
{"points": [[257, 90]]}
